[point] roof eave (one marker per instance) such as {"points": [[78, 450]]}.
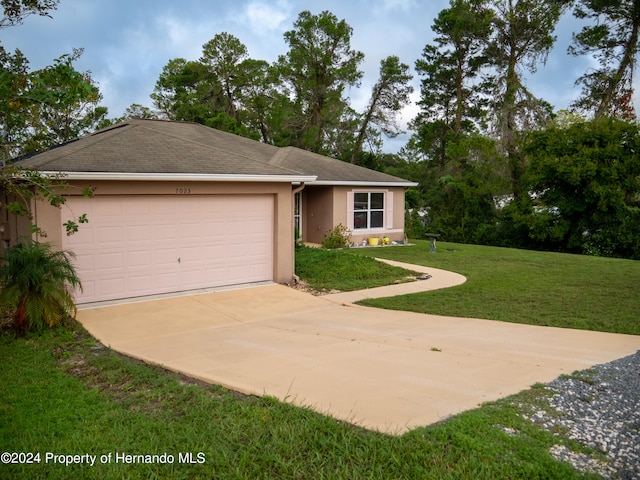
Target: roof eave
{"points": [[183, 177], [364, 183]]}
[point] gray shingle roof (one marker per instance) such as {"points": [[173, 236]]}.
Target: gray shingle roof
{"points": [[161, 147], [329, 170]]}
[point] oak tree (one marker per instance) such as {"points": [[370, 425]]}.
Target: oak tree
{"points": [[585, 179]]}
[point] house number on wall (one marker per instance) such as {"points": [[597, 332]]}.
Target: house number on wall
{"points": [[183, 190]]}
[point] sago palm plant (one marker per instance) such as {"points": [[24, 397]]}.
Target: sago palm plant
{"points": [[37, 285]]}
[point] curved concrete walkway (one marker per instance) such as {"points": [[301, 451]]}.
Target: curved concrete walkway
{"points": [[439, 279], [381, 369]]}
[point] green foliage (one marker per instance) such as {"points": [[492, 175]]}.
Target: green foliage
{"points": [[389, 95], [36, 284], [26, 185], [338, 270], [414, 225], [45, 107], [224, 89], [613, 41], [586, 183], [319, 66], [512, 228], [136, 110], [40, 109], [522, 39], [460, 192], [15, 11], [338, 237], [299, 100], [452, 90]]}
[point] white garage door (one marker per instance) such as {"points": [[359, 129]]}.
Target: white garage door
{"points": [[147, 244]]}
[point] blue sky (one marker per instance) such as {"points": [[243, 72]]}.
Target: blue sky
{"points": [[127, 43]]}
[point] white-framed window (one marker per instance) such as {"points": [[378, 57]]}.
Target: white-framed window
{"points": [[368, 210]]}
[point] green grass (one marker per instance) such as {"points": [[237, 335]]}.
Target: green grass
{"points": [[338, 270], [537, 288], [65, 394]]}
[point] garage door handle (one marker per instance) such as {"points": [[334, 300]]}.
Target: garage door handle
{"points": [[178, 259]]}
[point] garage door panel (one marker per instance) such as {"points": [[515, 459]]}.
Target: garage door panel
{"points": [[111, 259], [139, 258], [238, 253], [165, 255], [236, 272], [84, 262], [138, 281], [164, 282], [132, 244], [215, 271], [167, 231], [258, 271], [259, 249], [212, 229], [191, 253], [191, 231], [88, 288], [213, 251], [138, 233], [109, 234], [111, 286], [84, 237]]}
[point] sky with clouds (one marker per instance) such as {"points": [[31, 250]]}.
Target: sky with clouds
{"points": [[128, 42]]}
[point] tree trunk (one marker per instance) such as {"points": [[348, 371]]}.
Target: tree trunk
{"points": [[357, 148], [625, 64]]}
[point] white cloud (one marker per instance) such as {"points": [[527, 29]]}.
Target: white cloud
{"points": [[394, 5], [266, 18]]}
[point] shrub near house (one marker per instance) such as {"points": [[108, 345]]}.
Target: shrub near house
{"points": [[36, 284], [338, 237]]}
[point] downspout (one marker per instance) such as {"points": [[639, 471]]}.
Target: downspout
{"points": [[296, 279], [298, 189]]}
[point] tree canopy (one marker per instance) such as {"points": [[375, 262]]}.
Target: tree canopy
{"points": [[492, 153], [15, 11], [496, 163], [39, 109], [585, 181]]}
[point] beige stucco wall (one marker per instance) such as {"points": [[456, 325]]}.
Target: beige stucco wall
{"points": [[325, 207], [49, 218], [317, 213]]}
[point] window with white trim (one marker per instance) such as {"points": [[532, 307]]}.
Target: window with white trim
{"points": [[368, 210]]}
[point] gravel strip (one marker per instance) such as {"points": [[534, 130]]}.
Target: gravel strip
{"points": [[600, 409]]}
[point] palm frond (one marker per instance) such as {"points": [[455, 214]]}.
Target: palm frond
{"points": [[37, 281]]}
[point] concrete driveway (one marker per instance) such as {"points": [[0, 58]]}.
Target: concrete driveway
{"points": [[380, 369]]}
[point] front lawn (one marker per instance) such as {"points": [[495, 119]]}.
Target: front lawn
{"points": [[537, 288], [326, 270]]}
